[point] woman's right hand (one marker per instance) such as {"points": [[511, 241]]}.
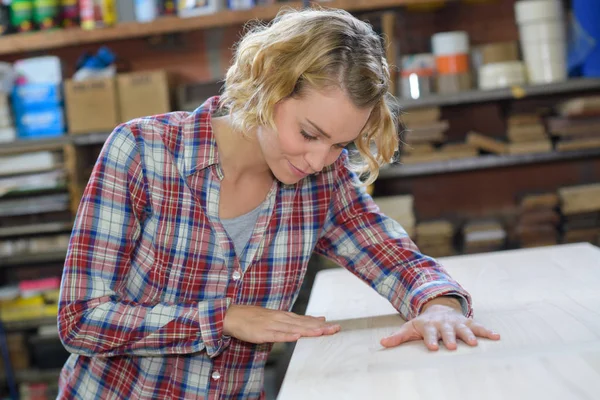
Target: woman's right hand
{"points": [[262, 325]]}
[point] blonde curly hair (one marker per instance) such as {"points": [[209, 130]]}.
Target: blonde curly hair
{"points": [[315, 49]]}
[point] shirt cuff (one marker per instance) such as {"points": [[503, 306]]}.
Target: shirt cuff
{"points": [[211, 317], [432, 290]]}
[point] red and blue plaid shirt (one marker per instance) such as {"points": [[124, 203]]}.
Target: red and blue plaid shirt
{"points": [[150, 269]]}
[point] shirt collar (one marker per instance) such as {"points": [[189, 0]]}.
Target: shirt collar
{"points": [[199, 144]]}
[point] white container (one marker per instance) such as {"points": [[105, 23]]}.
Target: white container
{"points": [[241, 4], [527, 11], [146, 10], [543, 31], [44, 69], [189, 8], [502, 75], [544, 51], [546, 62], [450, 43], [547, 72]]}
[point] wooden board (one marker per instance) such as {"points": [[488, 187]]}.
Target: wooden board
{"points": [[388, 22], [522, 133], [399, 208], [578, 144], [28, 42], [524, 119], [424, 148], [540, 146], [573, 127], [486, 143], [537, 201], [580, 107], [420, 116], [579, 199], [458, 148], [438, 156], [544, 302], [540, 217], [435, 228]]}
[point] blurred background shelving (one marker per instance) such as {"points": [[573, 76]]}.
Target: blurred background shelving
{"points": [[469, 178]]}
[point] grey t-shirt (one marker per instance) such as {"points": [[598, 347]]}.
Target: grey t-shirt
{"points": [[240, 229]]}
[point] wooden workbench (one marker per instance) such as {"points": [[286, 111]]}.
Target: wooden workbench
{"points": [[544, 302]]}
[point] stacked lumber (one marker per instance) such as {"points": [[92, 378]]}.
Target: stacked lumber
{"points": [[538, 220], [577, 125], [425, 137], [580, 208], [400, 209], [483, 236], [424, 126], [492, 145], [527, 134], [435, 238]]}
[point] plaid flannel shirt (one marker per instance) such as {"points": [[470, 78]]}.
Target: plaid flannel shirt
{"points": [[150, 270]]}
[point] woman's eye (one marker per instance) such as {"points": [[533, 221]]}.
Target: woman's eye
{"points": [[306, 135]]}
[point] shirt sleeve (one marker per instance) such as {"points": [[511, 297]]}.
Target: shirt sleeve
{"points": [[94, 318], [375, 248]]}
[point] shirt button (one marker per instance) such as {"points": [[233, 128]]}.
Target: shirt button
{"points": [[216, 375], [236, 275]]}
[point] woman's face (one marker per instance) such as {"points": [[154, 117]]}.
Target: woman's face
{"points": [[310, 133]]}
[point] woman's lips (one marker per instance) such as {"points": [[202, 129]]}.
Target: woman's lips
{"points": [[297, 171]]}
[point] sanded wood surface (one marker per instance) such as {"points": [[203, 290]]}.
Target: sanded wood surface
{"points": [[545, 303]]}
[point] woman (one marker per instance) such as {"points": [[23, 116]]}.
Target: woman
{"points": [[194, 232]]}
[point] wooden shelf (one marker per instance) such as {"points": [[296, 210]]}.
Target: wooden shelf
{"points": [[35, 41], [479, 96], [34, 375], [482, 162], [54, 144], [32, 323], [56, 167], [31, 145], [35, 229], [23, 259], [89, 138], [37, 375]]}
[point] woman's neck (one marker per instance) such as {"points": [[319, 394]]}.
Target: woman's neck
{"points": [[239, 154]]}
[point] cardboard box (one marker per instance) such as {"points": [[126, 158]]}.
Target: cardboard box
{"points": [[143, 94], [91, 105]]}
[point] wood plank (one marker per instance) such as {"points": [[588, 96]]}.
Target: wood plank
{"points": [[579, 199], [542, 301], [539, 201], [420, 116], [388, 22], [435, 156], [486, 143], [578, 144], [34, 41], [39, 228], [539, 146]]}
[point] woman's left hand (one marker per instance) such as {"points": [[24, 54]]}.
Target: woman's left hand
{"points": [[441, 318]]}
